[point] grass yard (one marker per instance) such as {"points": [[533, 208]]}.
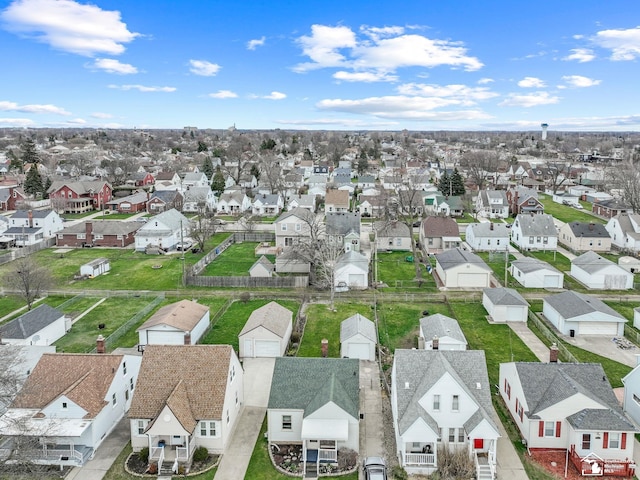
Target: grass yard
{"points": [[9, 304], [496, 262], [565, 213], [236, 260], [623, 308], [397, 273], [226, 329]]}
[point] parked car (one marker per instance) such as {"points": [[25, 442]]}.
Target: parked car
{"points": [[142, 219], [578, 206], [375, 468], [183, 246]]}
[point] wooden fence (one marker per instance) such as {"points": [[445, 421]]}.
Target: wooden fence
{"points": [[248, 282]]}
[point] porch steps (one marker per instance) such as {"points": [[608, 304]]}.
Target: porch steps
{"points": [[165, 469], [311, 471], [484, 472]]}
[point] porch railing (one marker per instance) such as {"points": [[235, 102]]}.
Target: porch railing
{"points": [[182, 454], [57, 453], [157, 453], [327, 456], [419, 459]]}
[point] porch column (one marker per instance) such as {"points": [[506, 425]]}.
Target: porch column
{"points": [[149, 437]]}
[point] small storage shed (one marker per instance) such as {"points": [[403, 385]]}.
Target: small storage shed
{"points": [[95, 267], [358, 338], [439, 332], [262, 268], [181, 323], [267, 332], [505, 305]]}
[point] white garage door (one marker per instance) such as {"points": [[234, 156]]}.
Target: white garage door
{"points": [[358, 350], [514, 314], [357, 280], [267, 348], [472, 280], [598, 328], [156, 337], [551, 281]]}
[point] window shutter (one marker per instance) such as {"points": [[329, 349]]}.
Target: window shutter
{"points": [[505, 384], [558, 428], [516, 405], [623, 441], [605, 440], [541, 428]]}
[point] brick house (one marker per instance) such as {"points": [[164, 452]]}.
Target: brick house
{"points": [[80, 197]]}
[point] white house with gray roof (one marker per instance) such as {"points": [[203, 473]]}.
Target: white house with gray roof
{"points": [[568, 406], [492, 204], [458, 268], [351, 271], [599, 273], [505, 305], [487, 236], [358, 338], [163, 231], [266, 332], [534, 232], [43, 325], [533, 273], [315, 402], [624, 230], [439, 332], [442, 399], [574, 313]]}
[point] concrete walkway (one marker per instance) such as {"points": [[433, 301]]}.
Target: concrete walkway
{"points": [[509, 466], [530, 340], [371, 431]]}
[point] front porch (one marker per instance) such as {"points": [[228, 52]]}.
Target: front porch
{"points": [[419, 457], [174, 449]]}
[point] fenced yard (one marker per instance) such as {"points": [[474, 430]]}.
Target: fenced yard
{"points": [[397, 270]]}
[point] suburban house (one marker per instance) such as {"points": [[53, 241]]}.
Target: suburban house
{"points": [[267, 204], [70, 403], [624, 230], [140, 179], [372, 205], [351, 271], [610, 208], [583, 237], [599, 273], [336, 201], [458, 268], [168, 181], [195, 179], [449, 206], [439, 332], [574, 313], [164, 200], [95, 233], [358, 338], [571, 407], [505, 305], [487, 237], [294, 226], [43, 325], [162, 231], [315, 402], [438, 234], [79, 197], [343, 230], [534, 232], [187, 396], [533, 273], [199, 199], [180, 323], [11, 197], [233, 203], [267, 332], [28, 227], [631, 398], [134, 203], [492, 204], [302, 201], [523, 200], [262, 268], [393, 235], [442, 399]]}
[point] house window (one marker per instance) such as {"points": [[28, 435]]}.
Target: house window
{"points": [[236, 398], [497, 241], [227, 416], [614, 439], [520, 411], [461, 435], [530, 240], [586, 441], [126, 394], [232, 373], [636, 399], [142, 425], [64, 405], [538, 239], [545, 240], [81, 236], [286, 422], [549, 429], [508, 391], [298, 227], [399, 242], [288, 242], [114, 399], [455, 403], [436, 403], [124, 368], [207, 429], [452, 435], [131, 384], [440, 434], [430, 241], [284, 227]]}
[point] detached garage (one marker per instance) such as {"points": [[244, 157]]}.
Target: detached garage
{"points": [[181, 323], [267, 332], [575, 314], [505, 305], [458, 268], [358, 338]]}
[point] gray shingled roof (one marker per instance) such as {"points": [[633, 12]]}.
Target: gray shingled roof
{"points": [[354, 258], [309, 383], [530, 264], [591, 262], [457, 256], [391, 229], [342, 223], [419, 370], [31, 322], [435, 226], [572, 304], [34, 213], [103, 227], [537, 224], [299, 212], [272, 316], [584, 229], [439, 325], [490, 229], [505, 296], [547, 384], [357, 324]]}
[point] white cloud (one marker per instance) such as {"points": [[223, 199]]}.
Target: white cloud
{"points": [[323, 45], [101, 115], [12, 106], [275, 96], [529, 100], [376, 33], [204, 68], [531, 82], [17, 122], [458, 94], [366, 77], [485, 81], [258, 42], [110, 65], [223, 94], [69, 26], [579, 81], [143, 88], [581, 55], [344, 122], [77, 121], [623, 43]]}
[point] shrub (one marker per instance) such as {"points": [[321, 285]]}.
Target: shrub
{"points": [[200, 454], [245, 297], [399, 473], [347, 458], [295, 337], [143, 455], [455, 464]]}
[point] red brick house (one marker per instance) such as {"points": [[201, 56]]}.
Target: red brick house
{"points": [[105, 233], [10, 197], [141, 179], [610, 208], [80, 197], [134, 203]]}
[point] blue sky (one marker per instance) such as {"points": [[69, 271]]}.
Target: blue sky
{"points": [[349, 64]]}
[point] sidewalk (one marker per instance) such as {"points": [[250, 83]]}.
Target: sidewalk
{"points": [[530, 340], [371, 431]]}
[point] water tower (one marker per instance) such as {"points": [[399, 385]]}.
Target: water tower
{"points": [[544, 130]]}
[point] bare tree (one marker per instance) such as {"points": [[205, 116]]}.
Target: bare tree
{"points": [[29, 279], [625, 178], [478, 164], [203, 226], [557, 174]]}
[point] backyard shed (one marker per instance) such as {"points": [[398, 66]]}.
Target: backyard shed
{"points": [[181, 323], [358, 338], [95, 267], [267, 332], [505, 305]]}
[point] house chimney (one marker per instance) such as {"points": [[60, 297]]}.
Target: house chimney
{"points": [[100, 348], [591, 225], [88, 232], [325, 347], [553, 353], [30, 218], [187, 338], [435, 343]]}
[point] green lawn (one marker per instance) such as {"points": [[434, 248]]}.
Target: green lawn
{"points": [[497, 263], [236, 260], [396, 272], [9, 304], [623, 308], [226, 329], [565, 213]]}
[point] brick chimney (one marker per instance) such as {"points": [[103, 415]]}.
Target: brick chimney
{"points": [[553, 353], [30, 218], [187, 338], [100, 348], [88, 232], [325, 347], [435, 343]]}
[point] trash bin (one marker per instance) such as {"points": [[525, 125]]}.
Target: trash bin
{"points": [[572, 333]]}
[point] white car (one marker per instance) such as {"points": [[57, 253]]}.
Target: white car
{"points": [[183, 246]]}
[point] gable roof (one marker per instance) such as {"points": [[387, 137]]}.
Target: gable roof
{"points": [[436, 226], [31, 322], [183, 315], [505, 296], [353, 258], [357, 324], [337, 197], [457, 256], [203, 371], [489, 229], [530, 264], [536, 224], [341, 223], [272, 316], [572, 304], [265, 262], [591, 262], [584, 229], [439, 325], [392, 228], [81, 188], [106, 227], [301, 213], [309, 383], [83, 378], [171, 218]]}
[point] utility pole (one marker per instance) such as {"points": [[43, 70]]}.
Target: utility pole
{"points": [[506, 265]]}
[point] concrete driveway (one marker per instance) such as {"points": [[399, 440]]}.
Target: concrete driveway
{"points": [[604, 346]]}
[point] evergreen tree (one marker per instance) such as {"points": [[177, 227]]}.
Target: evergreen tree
{"points": [[255, 171], [33, 182], [217, 184], [207, 167], [457, 184], [363, 163], [444, 184], [45, 188], [29, 153], [202, 147]]}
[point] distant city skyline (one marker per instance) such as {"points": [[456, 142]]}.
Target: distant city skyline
{"points": [[357, 65]]}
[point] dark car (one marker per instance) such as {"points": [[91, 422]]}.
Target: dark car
{"points": [[375, 468]]}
